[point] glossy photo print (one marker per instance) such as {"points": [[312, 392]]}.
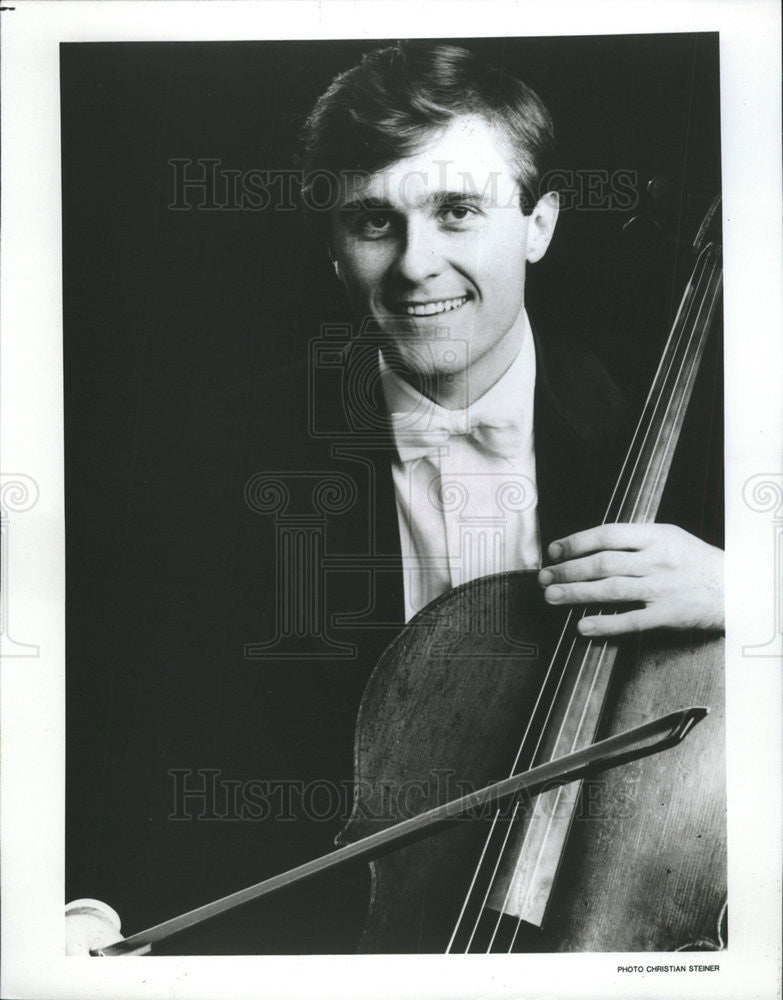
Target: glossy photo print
{"points": [[390, 501], [356, 373]]}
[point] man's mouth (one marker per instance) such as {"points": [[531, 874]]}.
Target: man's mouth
{"points": [[433, 307]]}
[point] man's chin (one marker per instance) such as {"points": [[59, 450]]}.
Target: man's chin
{"points": [[429, 345], [426, 360]]}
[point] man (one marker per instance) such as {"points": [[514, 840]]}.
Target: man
{"points": [[445, 436], [460, 436], [442, 204]]}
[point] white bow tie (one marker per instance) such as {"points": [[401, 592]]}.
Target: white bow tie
{"points": [[504, 437]]}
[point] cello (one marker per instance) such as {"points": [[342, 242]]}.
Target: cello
{"points": [[632, 860]]}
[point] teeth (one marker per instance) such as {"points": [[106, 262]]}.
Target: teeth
{"points": [[433, 308]]}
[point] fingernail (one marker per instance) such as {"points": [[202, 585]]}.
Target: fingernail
{"points": [[555, 550], [586, 627], [546, 576], [554, 593]]}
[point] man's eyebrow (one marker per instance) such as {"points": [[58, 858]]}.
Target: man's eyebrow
{"points": [[450, 197], [436, 199], [367, 205]]}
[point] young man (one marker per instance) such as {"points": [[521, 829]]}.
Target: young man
{"points": [[446, 435], [443, 202], [477, 438]]}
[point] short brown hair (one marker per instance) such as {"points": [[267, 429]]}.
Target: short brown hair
{"points": [[384, 108]]}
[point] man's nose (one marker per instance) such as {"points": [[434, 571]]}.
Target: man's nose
{"points": [[420, 256]]}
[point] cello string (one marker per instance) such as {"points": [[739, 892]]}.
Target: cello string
{"points": [[557, 794], [692, 359], [663, 378], [536, 804], [492, 877], [649, 418], [657, 386], [497, 814], [482, 907], [668, 445], [675, 396], [683, 347], [513, 769], [470, 888], [649, 415]]}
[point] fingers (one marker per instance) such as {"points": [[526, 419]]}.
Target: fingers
{"points": [[597, 626], [630, 537], [675, 577], [595, 567], [615, 589], [608, 575]]}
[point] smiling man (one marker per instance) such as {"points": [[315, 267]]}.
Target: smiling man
{"points": [[442, 164], [450, 432], [434, 248]]}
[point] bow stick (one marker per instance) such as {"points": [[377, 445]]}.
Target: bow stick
{"points": [[633, 744]]}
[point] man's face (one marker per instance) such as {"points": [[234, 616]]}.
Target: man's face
{"points": [[434, 248]]}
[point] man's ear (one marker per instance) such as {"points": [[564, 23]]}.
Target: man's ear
{"points": [[541, 226]]}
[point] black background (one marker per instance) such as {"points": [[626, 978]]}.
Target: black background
{"points": [[163, 310]]}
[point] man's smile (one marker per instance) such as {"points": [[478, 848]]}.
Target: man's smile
{"points": [[431, 307]]}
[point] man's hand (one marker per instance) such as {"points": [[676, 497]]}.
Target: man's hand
{"points": [[90, 924], [676, 576]]}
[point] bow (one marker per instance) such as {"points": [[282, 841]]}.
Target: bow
{"points": [[505, 438]]}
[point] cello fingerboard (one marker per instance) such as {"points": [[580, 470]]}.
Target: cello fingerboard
{"points": [[531, 856]]}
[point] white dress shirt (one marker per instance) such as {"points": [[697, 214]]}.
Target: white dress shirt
{"points": [[464, 509]]}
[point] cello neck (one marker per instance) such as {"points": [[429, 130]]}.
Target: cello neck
{"points": [[637, 495]]}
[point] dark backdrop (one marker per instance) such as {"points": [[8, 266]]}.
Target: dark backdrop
{"points": [[163, 310]]}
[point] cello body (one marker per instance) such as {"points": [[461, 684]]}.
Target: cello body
{"points": [[645, 863]]}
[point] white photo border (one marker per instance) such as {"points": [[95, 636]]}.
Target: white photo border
{"points": [[32, 705]]}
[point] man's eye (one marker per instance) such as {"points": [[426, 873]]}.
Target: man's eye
{"points": [[457, 213], [376, 224]]}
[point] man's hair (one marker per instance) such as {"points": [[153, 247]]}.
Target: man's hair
{"points": [[386, 107]]}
